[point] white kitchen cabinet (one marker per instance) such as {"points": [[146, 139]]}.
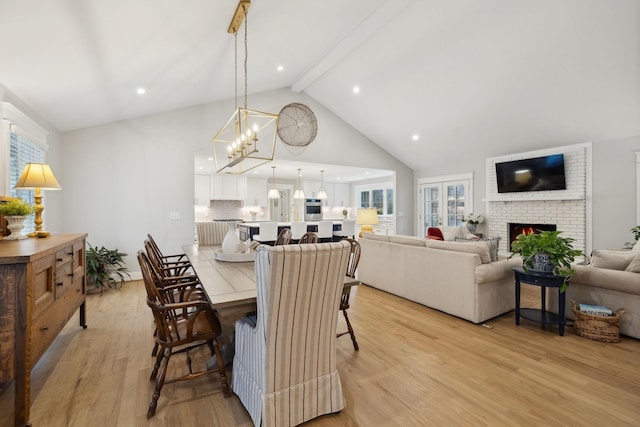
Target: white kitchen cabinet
{"points": [[329, 188], [257, 190], [310, 188], [202, 189], [341, 196], [228, 187]]}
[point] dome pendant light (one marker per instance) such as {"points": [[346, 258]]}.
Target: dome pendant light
{"points": [[299, 194], [273, 191], [322, 194]]}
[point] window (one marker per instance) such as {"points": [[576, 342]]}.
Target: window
{"points": [[21, 152], [379, 196], [21, 141]]}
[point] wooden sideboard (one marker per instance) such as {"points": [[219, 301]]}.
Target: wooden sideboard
{"points": [[42, 283]]}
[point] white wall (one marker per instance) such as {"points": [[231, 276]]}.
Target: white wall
{"points": [[123, 179]]}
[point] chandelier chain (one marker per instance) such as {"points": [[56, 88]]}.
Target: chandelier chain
{"points": [[235, 69], [246, 54]]}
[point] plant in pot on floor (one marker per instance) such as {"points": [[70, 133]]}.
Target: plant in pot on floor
{"points": [[105, 267], [547, 252]]}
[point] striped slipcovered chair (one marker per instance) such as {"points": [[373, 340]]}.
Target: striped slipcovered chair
{"points": [[284, 368]]}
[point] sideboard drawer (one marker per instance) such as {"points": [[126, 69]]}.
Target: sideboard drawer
{"points": [[64, 255], [64, 278]]}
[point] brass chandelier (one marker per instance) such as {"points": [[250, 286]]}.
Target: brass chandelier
{"points": [[248, 138]]}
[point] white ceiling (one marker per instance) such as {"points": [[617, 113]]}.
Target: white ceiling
{"points": [[477, 76]]}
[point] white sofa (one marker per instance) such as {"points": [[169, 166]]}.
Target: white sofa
{"points": [[453, 277]]}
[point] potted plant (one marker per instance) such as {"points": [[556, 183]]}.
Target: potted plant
{"points": [[15, 211], [547, 252], [105, 267]]}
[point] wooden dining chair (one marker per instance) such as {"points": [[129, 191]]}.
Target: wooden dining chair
{"points": [[181, 327], [308, 237], [284, 237], [354, 258], [176, 263], [284, 368]]}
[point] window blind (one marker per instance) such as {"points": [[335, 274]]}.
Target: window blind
{"points": [[21, 152]]}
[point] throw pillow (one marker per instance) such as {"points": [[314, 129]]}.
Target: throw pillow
{"points": [[612, 260], [634, 265], [450, 233], [492, 243]]}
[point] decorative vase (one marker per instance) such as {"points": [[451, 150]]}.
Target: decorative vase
{"points": [[15, 224], [540, 263], [231, 243], [253, 217], [472, 227]]}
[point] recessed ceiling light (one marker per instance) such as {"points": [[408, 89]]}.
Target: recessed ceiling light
{"points": [[141, 91], [356, 89], [280, 68], [210, 159], [415, 137]]}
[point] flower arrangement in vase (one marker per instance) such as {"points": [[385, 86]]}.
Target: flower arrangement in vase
{"points": [[472, 221]]}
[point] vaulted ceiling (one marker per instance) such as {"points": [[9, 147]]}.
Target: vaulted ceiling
{"points": [[475, 75]]}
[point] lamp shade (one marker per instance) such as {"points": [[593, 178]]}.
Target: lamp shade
{"points": [[273, 193], [37, 175], [367, 216]]}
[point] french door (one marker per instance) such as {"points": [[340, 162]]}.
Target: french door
{"points": [[443, 202]]}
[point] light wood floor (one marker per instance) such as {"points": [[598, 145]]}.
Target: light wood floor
{"points": [[415, 367]]}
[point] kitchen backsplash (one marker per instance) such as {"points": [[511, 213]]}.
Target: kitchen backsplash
{"points": [[220, 209]]}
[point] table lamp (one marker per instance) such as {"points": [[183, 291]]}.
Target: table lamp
{"points": [[37, 176], [366, 217]]}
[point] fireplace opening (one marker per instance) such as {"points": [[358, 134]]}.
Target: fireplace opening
{"points": [[516, 229]]}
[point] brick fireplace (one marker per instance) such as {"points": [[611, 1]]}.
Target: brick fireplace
{"points": [[517, 228], [569, 210]]}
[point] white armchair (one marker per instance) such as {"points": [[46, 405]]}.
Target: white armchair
{"points": [[284, 368]]}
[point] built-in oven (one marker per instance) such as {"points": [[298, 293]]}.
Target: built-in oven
{"points": [[313, 210]]}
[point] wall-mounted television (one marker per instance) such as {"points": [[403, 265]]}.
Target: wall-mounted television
{"points": [[533, 174]]}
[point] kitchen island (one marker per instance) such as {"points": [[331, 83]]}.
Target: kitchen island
{"points": [[249, 229]]}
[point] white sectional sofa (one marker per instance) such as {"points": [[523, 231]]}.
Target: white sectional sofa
{"points": [[453, 277]]}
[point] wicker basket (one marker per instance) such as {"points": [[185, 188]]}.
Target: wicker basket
{"points": [[599, 328]]}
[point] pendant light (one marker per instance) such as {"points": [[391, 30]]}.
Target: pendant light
{"points": [[273, 191], [322, 194], [248, 139], [299, 194]]}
